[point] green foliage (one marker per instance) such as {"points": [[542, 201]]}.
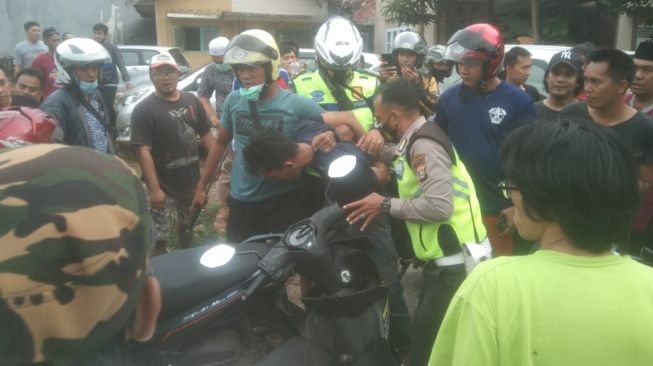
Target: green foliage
{"points": [[641, 9], [411, 12]]}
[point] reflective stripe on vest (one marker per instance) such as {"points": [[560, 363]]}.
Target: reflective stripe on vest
{"points": [[311, 85], [466, 210]]}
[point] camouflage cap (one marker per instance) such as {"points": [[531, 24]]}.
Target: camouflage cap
{"points": [[75, 235]]}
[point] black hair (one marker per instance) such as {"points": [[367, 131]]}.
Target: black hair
{"points": [[399, 92], [101, 27], [49, 31], [580, 80], [31, 72], [584, 49], [575, 173], [29, 24], [511, 57], [620, 65], [268, 149], [289, 46]]}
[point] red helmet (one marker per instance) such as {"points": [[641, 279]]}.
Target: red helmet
{"points": [[21, 126], [479, 41]]}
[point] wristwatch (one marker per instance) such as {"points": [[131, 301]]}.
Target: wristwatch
{"points": [[385, 205]]}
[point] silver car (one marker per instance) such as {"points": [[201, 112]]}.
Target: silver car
{"points": [[137, 62], [189, 83]]}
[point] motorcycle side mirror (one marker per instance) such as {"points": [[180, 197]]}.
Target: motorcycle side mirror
{"points": [[217, 256]]}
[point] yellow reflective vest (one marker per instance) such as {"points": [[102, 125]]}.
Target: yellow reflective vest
{"points": [[466, 219], [360, 92]]}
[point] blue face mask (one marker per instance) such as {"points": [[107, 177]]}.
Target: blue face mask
{"points": [[87, 87], [252, 93]]}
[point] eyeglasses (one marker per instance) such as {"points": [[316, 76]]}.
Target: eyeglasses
{"points": [[506, 186], [163, 74]]}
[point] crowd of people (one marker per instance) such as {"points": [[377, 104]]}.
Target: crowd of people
{"points": [[566, 180]]}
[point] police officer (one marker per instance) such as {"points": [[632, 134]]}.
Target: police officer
{"points": [[436, 198], [337, 84]]}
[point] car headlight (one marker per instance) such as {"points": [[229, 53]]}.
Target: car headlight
{"points": [[131, 98]]}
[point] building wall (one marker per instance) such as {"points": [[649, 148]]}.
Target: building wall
{"points": [[126, 26], [284, 19], [280, 7]]}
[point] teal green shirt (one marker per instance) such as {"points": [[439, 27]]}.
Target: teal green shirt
{"points": [[283, 113], [550, 309]]}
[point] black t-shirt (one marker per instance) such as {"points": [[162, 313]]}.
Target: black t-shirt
{"points": [[636, 132], [545, 113], [171, 129], [532, 92]]}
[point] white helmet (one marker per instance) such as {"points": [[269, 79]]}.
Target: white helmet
{"points": [[338, 45], [218, 46], [77, 52]]}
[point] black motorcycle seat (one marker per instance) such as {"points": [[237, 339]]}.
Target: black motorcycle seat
{"points": [[185, 282]]}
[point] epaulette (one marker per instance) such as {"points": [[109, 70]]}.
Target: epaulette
{"points": [[366, 74], [305, 75]]}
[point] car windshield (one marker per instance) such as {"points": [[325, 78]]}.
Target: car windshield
{"points": [[178, 56]]}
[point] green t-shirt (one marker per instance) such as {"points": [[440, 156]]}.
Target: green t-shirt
{"points": [[550, 309], [283, 112]]}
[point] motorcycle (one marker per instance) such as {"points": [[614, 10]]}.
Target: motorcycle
{"points": [[347, 310], [213, 311], [226, 304]]}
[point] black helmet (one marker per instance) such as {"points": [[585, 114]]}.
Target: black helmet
{"points": [[411, 42]]}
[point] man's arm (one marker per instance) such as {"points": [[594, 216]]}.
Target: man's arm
{"points": [[157, 197], [210, 165], [435, 203], [204, 92], [120, 63], [18, 60], [432, 167], [347, 118], [210, 113]]}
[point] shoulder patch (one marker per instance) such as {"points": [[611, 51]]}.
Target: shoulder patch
{"points": [[317, 96], [419, 165]]}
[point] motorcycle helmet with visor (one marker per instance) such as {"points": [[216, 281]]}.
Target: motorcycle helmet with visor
{"points": [[78, 52], [255, 47], [410, 41], [478, 43]]}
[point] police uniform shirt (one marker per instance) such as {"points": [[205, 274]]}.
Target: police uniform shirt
{"points": [[432, 167]]}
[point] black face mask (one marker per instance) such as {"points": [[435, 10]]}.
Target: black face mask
{"points": [[440, 75], [342, 77], [388, 133]]}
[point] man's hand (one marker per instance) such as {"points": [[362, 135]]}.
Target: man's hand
{"points": [[371, 142], [324, 142], [366, 209], [157, 199], [410, 74], [199, 199], [215, 122], [507, 215], [386, 72]]}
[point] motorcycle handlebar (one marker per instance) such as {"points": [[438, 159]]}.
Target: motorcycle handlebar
{"points": [[258, 282]]}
